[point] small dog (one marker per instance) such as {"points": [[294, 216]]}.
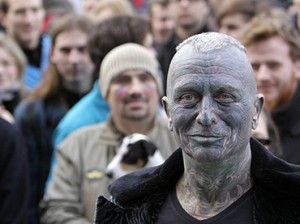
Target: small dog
{"points": [[135, 152]]}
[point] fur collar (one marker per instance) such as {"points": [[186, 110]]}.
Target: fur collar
{"points": [[276, 189]]}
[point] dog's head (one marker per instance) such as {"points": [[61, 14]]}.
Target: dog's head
{"points": [[136, 152]]}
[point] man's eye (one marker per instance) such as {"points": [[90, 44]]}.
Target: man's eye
{"points": [[255, 67], [225, 98], [65, 50], [122, 80], [187, 99], [273, 66]]}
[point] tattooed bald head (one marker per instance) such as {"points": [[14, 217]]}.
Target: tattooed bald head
{"points": [[211, 96], [210, 48]]}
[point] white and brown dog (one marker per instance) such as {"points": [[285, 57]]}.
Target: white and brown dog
{"points": [[135, 152]]}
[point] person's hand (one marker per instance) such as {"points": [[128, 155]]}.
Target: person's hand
{"points": [[6, 115]]}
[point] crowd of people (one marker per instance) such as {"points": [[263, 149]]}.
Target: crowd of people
{"points": [[214, 84]]}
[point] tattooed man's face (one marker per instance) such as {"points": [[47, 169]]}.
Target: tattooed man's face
{"points": [[211, 102]]}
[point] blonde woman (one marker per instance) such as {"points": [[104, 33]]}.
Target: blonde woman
{"points": [[12, 65]]}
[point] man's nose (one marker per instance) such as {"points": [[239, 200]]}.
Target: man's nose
{"points": [[207, 115], [263, 73], [29, 16], [136, 86], [74, 56]]}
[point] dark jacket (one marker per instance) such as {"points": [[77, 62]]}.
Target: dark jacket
{"points": [[37, 120], [14, 175], [140, 195], [288, 124]]}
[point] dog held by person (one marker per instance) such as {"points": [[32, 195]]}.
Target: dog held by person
{"points": [[136, 152]]}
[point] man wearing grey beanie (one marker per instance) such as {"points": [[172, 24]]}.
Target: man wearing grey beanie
{"points": [[131, 84]]}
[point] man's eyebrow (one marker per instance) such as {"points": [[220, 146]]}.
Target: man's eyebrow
{"points": [[226, 88]]}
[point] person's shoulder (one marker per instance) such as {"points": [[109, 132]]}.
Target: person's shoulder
{"points": [[89, 110], [86, 111], [90, 129], [29, 107], [6, 127], [86, 139], [9, 135], [87, 133], [135, 184]]}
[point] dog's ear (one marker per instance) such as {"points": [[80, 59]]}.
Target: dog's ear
{"points": [[149, 146]]}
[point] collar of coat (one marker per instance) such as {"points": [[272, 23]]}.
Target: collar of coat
{"points": [[140, 195]]}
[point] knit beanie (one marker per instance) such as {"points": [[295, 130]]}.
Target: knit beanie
{"points": [[126, 57]]}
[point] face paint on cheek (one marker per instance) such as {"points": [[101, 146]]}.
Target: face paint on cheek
{"points": [[149, 89], [120, 92]]}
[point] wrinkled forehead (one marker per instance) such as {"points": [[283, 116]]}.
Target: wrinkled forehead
{"points": [[230, 61]]}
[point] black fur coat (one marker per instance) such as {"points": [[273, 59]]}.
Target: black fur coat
{"points": [[139, 196]]}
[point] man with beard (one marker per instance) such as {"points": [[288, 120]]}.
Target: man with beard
{"points": [[131, 84], [68, 78], [273, 48], [219, 174]]}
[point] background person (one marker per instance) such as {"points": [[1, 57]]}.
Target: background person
{"points": [[233, 15], [131, 85], [12, 66], [105, 9], [191, 17], [106, 35], [14, 175], [23, 22], [273, 48], [68, 78], [161, 21]]}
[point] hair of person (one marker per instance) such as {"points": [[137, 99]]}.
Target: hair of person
{"points": [[5, 5], [271, 23], [58, 6], [248, 8], [15, 51], [70, 21], [151, 3], [51, 84], [113, 32], [119, 7], [13, 48]]}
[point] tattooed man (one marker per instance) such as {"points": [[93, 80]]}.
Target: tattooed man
{"points": [[219, 174]]}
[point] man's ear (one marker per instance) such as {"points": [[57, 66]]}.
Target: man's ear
{"points": [[166, 108], [165, 104], [258, 109]]}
